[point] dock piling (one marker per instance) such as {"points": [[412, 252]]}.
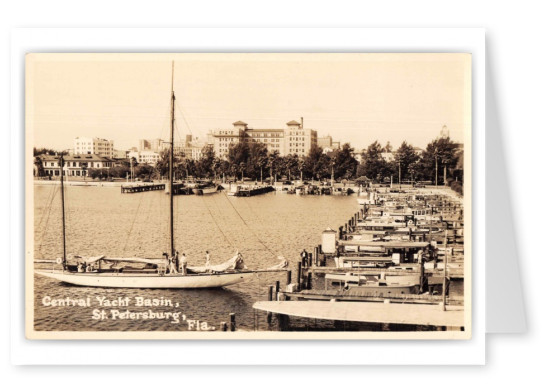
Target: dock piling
{"points": [[232, 321], [316, 256], [270, 297]]}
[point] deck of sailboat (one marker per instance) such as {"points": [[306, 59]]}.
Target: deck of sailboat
{"points": [[136, 273]]}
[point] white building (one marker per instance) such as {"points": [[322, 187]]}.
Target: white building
{"points": [[118, 154], [93, 146], [293, 139], [75, 165], [145, 157]]}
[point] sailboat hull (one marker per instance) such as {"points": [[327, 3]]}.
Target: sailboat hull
{"points": [[135, 280]]}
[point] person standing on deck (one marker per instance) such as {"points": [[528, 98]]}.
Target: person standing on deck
{"points": [[177, 261], [303, 256], [171, 262], [207, 263], [183, 263]]}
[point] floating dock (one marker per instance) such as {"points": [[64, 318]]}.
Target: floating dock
{"points": [[388, 313], [142, 187]]}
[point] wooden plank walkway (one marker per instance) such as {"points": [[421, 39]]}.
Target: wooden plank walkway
{"points": [[452, 272], [358, 295], [391, 313]]}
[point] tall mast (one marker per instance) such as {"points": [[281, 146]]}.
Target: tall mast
{"points": [[170, 164], [63, 214]]}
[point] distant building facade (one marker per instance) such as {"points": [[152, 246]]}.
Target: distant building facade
{"points": [[189, 148], [145, 157], [118, 154], [93, 146], [74, 165], [293, 139], [325, 142], [154, 145]]}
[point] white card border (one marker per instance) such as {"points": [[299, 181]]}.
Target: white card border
{"points": [[380, 352]]}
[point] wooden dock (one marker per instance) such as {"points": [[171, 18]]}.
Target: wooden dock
{"points": [[388, 313], [451, 272], [340, 295], [142, 187], [250, 192]]}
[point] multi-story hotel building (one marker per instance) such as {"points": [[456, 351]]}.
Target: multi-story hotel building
{"points": [[93, 146], [293, 139]]}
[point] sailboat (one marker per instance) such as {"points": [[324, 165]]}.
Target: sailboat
{"points": [[132, 272]]}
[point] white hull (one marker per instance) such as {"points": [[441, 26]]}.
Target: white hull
{"points": [[135, 280], [206, 190], [366, 201]]}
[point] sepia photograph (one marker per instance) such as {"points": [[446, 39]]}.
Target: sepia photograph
{"points": [[248, 195]]}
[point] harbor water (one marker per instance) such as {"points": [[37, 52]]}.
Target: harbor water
{"points": [[102, 221]]}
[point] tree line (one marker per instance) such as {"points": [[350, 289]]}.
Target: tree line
{"points": [[441, 160], [255, 162]]}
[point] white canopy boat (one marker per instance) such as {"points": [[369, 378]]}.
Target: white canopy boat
{"points": [[132, 272]]}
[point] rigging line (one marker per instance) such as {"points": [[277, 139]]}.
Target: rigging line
{"points": [[166, 119], [250, 229], [48, 205], [133, 221], [216, 223], [184, 118], [44, 230], [179, 136], [149, 208], [257, 218], [219, 211]]}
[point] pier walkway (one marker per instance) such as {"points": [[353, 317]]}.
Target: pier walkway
{"points": [[142, 187]]}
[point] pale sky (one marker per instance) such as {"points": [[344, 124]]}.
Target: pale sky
{"points": [[356, 98]]}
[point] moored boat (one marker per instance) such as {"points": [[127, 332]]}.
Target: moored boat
{"points": [[204, 188], [131, 272]]}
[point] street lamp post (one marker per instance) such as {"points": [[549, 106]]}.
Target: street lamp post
{"points": [[445, 162], [436, 172], [399, 173]]}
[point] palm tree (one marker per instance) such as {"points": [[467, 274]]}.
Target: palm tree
{"points": [[39, 166], [242, 168]]}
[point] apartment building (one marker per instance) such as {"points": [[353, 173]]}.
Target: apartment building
{"points": [[93, 146]]}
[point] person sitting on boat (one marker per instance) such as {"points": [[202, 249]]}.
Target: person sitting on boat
{"points": [[80, 268]]}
